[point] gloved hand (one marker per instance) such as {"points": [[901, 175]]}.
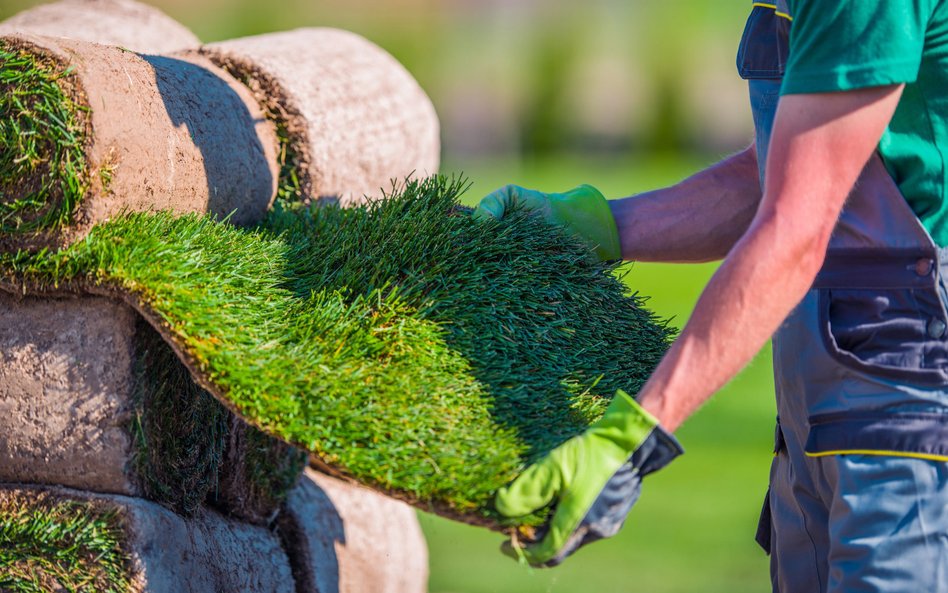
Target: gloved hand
{"points": [[582, 210], [593, 479]]}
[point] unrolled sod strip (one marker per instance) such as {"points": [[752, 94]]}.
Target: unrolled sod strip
{"points": [[124, 23], [352, 119], [159, 133]]}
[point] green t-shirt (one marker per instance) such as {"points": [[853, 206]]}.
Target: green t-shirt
{"points": [[850, 44]]}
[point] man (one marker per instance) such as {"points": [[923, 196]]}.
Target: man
{"points": [[852, 291]]}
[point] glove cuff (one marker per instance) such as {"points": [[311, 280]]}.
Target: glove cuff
{"points": [[628, 424], [591, 218], [658, 450]]}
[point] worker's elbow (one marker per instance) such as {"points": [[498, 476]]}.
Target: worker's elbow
{"points": [[800, 244], [810, 258]]}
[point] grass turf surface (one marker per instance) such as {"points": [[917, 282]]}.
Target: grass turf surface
{"points": [[414, 348], [42, 161], [50, 545]]}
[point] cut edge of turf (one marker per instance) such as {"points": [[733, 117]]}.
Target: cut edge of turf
{"points": [[293, 185], [258, 473], [44, 134], [179, 431], [58, 543]]}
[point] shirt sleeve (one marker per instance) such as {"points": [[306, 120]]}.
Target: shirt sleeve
{"points": [[839, 45]]}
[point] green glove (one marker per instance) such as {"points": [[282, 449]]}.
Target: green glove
{"points": [[583, 211], [593, 480]]}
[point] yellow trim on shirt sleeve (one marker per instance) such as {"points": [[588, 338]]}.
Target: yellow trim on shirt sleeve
{"points": [[927, 456], [772, 7]]}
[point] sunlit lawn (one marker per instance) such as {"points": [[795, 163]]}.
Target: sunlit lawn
{"points": [[693, 529]]}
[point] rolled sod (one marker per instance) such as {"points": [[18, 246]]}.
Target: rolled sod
{"points": [[111, 409], [405, 344], [346, 538], [55, 539], [51, 543], [351, 117], [126, 132], [125, 23]]}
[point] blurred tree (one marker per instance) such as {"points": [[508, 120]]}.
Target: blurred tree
{"points": [[554, 54]]}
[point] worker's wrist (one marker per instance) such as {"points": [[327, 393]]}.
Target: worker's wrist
{"points": [[654, 402], [588, 215]]}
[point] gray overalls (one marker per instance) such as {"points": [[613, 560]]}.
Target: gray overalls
{"points": [[858, 496]]}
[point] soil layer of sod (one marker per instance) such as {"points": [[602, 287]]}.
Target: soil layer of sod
{"points": [[405, 344]]}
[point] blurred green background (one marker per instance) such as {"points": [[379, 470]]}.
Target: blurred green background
{"points": [[627, 95]]}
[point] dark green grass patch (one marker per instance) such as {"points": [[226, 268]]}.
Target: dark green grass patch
{"points": [[405, 343], [49, 545], [188, 448], [42, 160], [547, 330], [179, 430]]}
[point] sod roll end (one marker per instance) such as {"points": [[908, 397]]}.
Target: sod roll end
{"points": [[124, 23], [353, 118], [55, 539], [111, 409], [347, 538], [88, 131]]}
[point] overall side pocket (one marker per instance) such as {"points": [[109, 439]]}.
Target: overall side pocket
{"points": [[897, 333]]}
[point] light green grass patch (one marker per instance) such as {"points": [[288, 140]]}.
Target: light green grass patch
{"points": [[50, 545]]}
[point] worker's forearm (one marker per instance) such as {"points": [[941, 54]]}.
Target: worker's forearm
{"points": [[820, 143], [746, 300], [696, 220]]}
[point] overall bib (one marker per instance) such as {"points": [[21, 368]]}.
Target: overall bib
{"points": [[858, 497]]}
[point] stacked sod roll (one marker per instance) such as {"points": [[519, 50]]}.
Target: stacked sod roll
{"points": [[126, 132], [403, 344], [112, 410], [115, 418], [57, 539], [124, 23], [101, 421], [352, 120]]}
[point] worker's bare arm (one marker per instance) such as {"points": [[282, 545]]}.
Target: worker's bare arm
{"points": [[820, 144], [696, 220]]}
